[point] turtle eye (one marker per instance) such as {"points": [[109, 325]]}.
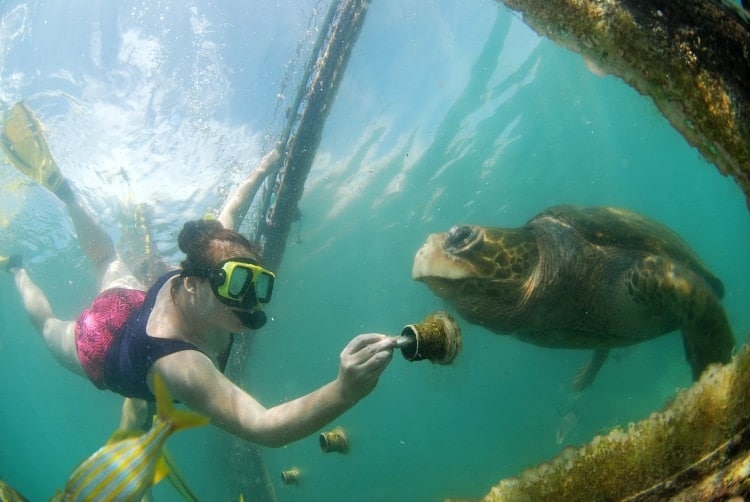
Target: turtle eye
{"points": [[459, 237]]}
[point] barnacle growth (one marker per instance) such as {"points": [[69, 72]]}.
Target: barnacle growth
{"points": [[436, 338], [335, 440], [698, 448], [291, 476]]}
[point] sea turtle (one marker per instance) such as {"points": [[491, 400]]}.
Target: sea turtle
{"points": [[585, 278]]}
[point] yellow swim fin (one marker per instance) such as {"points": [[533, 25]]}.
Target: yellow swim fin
{"points": [[22, 140]]}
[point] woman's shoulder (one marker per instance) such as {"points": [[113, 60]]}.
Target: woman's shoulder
{"points": [[185, 373]]}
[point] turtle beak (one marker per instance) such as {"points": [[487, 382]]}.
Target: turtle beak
{"points": [[435, 259], [460, 238]]}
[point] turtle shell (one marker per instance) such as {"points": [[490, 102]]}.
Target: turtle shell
{"points": [[620, 228]]}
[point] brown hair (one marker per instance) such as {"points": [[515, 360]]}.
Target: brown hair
{"points": [[206, 243]]}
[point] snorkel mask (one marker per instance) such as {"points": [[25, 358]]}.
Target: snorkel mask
{"points": [[241, 284]]}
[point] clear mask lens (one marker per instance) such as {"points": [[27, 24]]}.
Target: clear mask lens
{"points": [[242, 284], [239, 282]]}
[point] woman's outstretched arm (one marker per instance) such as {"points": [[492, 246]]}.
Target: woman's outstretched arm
{"points": [[239, 201]]}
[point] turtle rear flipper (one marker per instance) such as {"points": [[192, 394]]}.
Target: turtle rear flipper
{"points": [[588, 371]]}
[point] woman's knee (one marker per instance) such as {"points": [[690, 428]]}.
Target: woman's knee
{"points": [[59, 337]]}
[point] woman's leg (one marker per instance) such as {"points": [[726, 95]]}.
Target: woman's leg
{"points": [[111, 271], [92, 238], [22, 139], [59, 336], [135, 414]]}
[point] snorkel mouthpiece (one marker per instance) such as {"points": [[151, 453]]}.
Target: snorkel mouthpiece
{"points": [[253, 320]]}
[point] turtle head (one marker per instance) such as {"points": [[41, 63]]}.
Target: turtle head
{"points": [[472, 265], [455, 254]]}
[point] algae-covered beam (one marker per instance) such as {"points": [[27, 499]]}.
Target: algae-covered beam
{"points": [[698, 448], [691, 57]]}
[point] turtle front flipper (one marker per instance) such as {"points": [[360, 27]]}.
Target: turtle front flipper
{"points": [[588, 371], [706, 334], [685, 296]]}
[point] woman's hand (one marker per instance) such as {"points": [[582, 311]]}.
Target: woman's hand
{"points": [[239, 201], [361, 363], [269, 161]]}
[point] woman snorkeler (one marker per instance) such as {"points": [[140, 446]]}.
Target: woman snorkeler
{"points": [[184, 324]]}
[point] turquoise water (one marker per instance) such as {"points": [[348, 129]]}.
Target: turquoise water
{"points": [[450, 112]]}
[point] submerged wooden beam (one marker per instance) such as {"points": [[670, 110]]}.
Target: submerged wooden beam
{"points": [[691, 57], [698, 448]]}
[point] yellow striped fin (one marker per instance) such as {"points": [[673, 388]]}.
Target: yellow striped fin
{"points": [[131, 461], [166, 411]]}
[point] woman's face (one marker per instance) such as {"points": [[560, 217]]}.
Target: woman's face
{"points": [[209, 311], [213, 311], [225, 311], [222, 315]]}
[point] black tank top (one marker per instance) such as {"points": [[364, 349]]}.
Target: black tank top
{"points": [[132, 352]]}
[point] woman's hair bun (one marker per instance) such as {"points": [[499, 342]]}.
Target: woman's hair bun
{"points": [[196, 234], [206, 243]]}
